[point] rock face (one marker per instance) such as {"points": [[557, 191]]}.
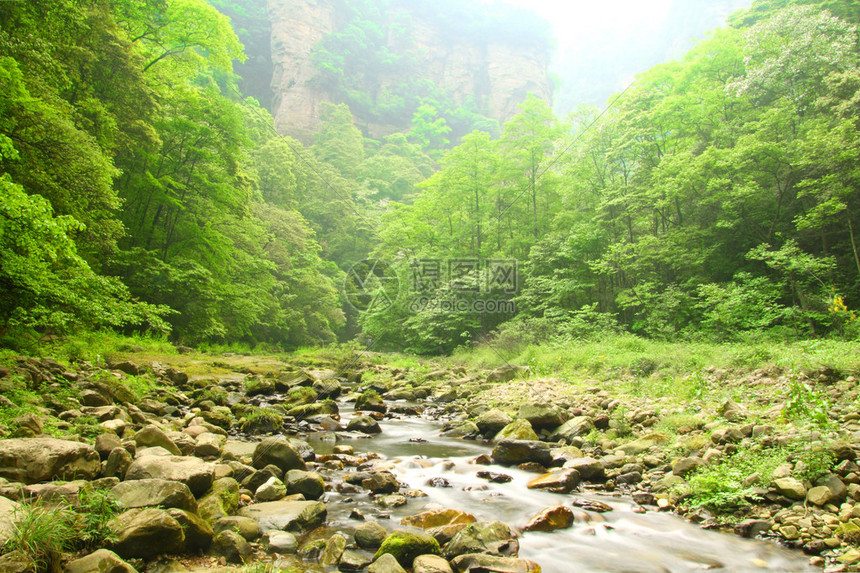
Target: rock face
{"points": [[33, 460], [193, 472], [498, 73], [146, 533]]}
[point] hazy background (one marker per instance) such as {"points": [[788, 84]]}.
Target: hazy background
{"points": [[603, 44]]}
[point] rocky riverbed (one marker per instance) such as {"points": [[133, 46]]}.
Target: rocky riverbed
{"points": [[367, 467]]}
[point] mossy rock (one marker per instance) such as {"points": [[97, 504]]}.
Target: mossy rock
{"points": [[405, 547]]}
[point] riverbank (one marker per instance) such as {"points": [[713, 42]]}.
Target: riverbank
{"points": [[763, 451]]}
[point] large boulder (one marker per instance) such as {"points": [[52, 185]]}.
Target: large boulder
{"points": [[405, 547], [286, 515], [151, 437], [540, 416], [231, 546], [198, 533], [101, 561], [492, 421], [573, 428], [363, 424], [309, 484], [278, 452], [386, 564], [146, 533], [370, 535], [154, 493], [513, 452], [33, 460], [193, 472], [491, 537], [517, 430], [220, 501]]}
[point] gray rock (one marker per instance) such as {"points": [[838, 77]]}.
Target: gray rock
{"points": [[220, 501], [209, 445], [517, 430], [273, 490], [353, 561], [7, 515], [540, 416], [790, 488], [198, 533], [381, 482], [231, 546], [34, 460], [151, 436], [309, 484], [105, 443], [117, 464], [363, 424], [333, 551], [386, 563], [431, 564], [278, 452], [370, 535], [244, 526], [837, 487], [819, 495], [280, 542], [101, 561], [685, 466], [193, 472], [589, 468], [573, 428], [479, 562], [491, 537], [513, 452], [154, 493], [286, 515], [491, 422], [146, 533]]}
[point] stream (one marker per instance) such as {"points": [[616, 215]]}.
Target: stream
{"points": [[623, 540]]}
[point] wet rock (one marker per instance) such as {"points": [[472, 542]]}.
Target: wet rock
{"points": [[541, 416], [101, 561], [353, 561], [405, 547], [333, 551], [629, 478], [517, 430], [513, 452], [151, 437], [308, 484], [463, 429], [371, 402], [551, 519], [392, 500], [146, 533], [327, 388], [198, 533], [431, 564], [261, 476], [277, 452], [494, 477], [491, 537], [381, 482], [273, 490], [592, 505], [286, 515], [370, 535], [752, 527], [491, 422], [478, 562], [573, 428], [589, 469], [154, 493], [193, 472], [33, 460], [280, 542], [363, 424], [438, 518], [386, 563], [231, 546], [560, 481], [790, 488]]}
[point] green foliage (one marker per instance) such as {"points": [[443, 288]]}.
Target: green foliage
{"points": [[803, 403], [812, 462], [42, 535], [95, 511], [720, 486]]}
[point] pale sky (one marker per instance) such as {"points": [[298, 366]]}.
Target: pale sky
{"points": [[571, 18]]}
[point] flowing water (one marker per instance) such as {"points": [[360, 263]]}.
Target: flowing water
{"points": [[623, 540]]}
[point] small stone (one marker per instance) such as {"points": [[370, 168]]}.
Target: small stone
{"points": [[551, 519]]}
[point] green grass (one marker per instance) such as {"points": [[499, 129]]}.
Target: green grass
{"points": [[42, 535]]}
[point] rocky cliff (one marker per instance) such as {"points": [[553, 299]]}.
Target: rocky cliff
{"points": [[496, 73]]}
